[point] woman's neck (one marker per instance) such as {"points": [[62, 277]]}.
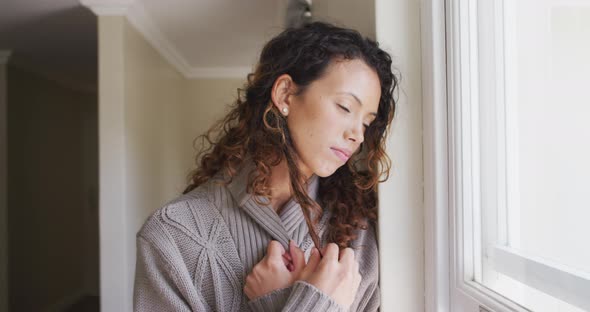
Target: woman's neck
{"points": [[280, 183]]}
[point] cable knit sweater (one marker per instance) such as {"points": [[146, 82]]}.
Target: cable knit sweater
{"points": [[194, 253]]}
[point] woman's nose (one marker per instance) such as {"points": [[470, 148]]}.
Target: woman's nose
{"points": [[356, 134]]}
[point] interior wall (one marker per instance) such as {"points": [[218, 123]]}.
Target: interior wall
{"points": [[359, 15], [150, 115], [154, 166], [401, 211], [114, 280], [3, 200], [89, 133], [208, 100], [46, 199]]}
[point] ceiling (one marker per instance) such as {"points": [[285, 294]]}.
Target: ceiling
{"points": [[201, 38], [220, 33]]}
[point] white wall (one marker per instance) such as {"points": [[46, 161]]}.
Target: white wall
{"points": [[401, 230], [114, 243]]}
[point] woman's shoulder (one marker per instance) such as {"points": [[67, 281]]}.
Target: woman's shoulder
{"points": [[191, 235], [190, 214]]}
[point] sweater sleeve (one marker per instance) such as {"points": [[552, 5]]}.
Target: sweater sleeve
{"points": [[306, 297], [301, 296], [272, 301], [156, 282]]}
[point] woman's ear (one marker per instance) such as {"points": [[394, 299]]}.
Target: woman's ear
{"points": [[281, 91]]}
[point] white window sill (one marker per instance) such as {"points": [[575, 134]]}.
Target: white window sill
{"points": [[559, 281]]}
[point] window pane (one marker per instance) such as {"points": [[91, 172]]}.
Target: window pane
{"points": [[534, 147], [554, 138]]}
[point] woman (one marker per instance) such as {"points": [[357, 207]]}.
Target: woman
{"points": [[280, 213]]}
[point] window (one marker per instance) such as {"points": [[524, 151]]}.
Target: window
{"points": [[517, 154]]}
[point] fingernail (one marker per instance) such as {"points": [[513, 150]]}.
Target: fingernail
{"points": [[314, 251]]}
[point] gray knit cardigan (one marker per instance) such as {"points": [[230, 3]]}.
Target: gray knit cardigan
{"points": [[194, 253]]}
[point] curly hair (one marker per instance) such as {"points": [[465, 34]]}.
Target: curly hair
{"points": [[254, 128]]}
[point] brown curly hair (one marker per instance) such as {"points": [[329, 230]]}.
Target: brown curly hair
{"points": [[255, 128]]}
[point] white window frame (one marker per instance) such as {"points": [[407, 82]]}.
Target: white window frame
{"points": [[446, 289], [434, 115], [450, 276]]}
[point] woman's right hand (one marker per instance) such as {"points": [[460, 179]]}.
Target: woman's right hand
{"points": [[336, 274]]}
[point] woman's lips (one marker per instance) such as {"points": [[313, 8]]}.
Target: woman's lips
{"points": [[341, 154]]}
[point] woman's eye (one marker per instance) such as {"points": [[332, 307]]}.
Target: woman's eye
{"points": [[348, 111], [344, 108]]}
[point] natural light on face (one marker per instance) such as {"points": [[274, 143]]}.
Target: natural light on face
{"points": [[327, 122]]}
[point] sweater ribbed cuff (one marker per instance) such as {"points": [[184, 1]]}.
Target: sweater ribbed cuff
{"points": [[273, 301], [306, 297]]}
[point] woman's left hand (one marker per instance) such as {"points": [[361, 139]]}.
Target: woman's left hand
{"points": [[275, 271]]}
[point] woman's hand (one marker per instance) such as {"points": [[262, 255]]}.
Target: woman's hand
{"points": [[335, 274], [278, 269]]}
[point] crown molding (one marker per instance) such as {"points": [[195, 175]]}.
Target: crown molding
{"points": [[5, 56], [140, 19]]}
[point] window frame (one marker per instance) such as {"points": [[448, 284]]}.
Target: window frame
{"points": [[446, 289]]}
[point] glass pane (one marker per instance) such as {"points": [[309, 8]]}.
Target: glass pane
{"points": [[554, 136], [535, 152]]}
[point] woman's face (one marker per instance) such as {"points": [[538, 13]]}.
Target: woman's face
{"points": [[328, 120]]}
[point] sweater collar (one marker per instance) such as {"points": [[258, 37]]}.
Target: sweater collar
{"points": [[280, 226]]}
